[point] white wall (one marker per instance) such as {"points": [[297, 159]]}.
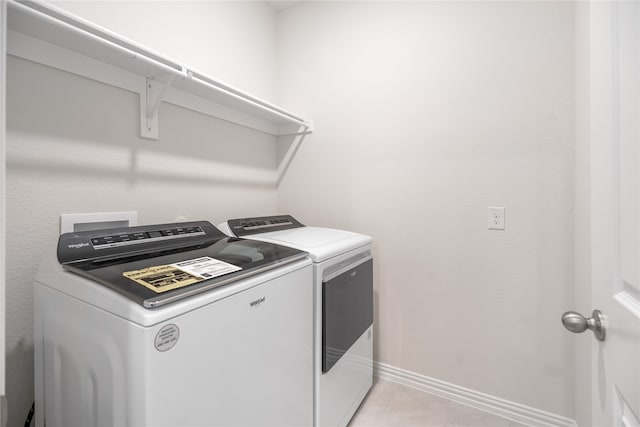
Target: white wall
{"points": [[425, 114], [582, 226], [231, 41], [73, 146]]}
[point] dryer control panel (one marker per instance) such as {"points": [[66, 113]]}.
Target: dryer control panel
{"points": [[247, 226]]}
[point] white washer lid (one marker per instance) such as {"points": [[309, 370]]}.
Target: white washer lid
{"points": [[321, 243]]}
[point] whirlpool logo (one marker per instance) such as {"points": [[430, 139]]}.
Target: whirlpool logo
{"points": [[77, 245], [257, 302]]}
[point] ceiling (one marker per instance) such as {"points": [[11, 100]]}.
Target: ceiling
{"points": [[279, 5]]}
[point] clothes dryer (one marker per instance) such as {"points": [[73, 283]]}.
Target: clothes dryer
{"points": [[343, 308]]}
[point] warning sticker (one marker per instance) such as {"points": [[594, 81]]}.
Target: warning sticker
{"points": [[162, 278]]}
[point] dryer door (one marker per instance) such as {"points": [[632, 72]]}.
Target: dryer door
{"points": [[347, 309]]}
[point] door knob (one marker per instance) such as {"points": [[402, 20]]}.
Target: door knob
{"points": [[576, 322]]}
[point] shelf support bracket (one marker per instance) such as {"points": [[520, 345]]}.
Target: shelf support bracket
{"points": [[298, 137], [154, 90]]}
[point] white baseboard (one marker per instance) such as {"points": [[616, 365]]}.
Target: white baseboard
{"points": [[495, 405]]}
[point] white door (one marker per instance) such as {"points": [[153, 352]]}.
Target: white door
{"points": [[3, 57], [615, 209]]}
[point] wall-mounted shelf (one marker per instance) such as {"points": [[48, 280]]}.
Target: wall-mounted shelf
{"points": [[46, 34]]}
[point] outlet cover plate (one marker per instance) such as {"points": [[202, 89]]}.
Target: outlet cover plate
{"points": [[496, 217]]}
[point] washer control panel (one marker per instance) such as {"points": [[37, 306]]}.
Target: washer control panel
{"points": [[247, 226], [122, 239], [130, 241]]}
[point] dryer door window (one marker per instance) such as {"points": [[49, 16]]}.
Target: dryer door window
{"points": [[347, 311]]}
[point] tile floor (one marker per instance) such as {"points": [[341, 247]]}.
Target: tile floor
{"points": [[393, 405]]}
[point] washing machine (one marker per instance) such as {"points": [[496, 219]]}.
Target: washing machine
{"points": [[173, 325], [343, 308]]}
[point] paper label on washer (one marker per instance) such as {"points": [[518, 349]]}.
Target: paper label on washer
{"points": [[167, 337], [163, 278]]}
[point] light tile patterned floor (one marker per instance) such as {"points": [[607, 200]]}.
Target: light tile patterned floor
{"points": [[393, 405]]}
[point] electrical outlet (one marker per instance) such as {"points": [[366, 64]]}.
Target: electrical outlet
{"points": [[496, 218]]}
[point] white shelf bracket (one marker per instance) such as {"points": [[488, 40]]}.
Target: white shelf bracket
{"points": [[154, 90], [293, 148]]}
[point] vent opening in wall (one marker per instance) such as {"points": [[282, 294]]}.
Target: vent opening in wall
{"points": [[70, 223]]}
